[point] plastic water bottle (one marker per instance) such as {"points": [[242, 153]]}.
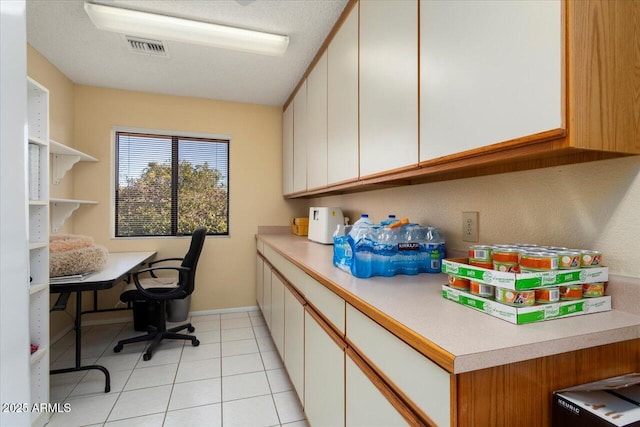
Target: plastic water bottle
{"points": [[361, 246], [342, 254], [436, 249], [390, 220]]}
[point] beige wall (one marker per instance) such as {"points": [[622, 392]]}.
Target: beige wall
{"points": [[83, 116], [226, 273], [592, 205]]}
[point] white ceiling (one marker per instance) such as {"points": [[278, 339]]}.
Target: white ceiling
{"points": [[62, 32]]}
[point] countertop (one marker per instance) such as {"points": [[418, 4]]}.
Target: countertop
{"points": [[471, 340]]}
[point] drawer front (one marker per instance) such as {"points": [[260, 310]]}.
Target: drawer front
{"points": [[330, 305], [418, 378]]}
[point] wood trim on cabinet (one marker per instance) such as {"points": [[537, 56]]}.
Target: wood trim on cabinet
{"points": [[389, 393], [521, 393], [379, 379], [604, 85], [326, 327]]}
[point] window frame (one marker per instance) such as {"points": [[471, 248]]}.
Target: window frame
{"points": [[161, 132]]}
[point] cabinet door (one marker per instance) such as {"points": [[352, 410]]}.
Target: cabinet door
{"points": [[489, 72], [260, 282], [421, 380], [323, 375], [277, 312], [300, 135], [266, 298], [388, 85], [366, 406], [317, 125], [287, 150], [342, 101], [294, 341]]}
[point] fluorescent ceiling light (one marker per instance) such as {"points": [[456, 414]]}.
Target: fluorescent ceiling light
{"points": [[143, 24]]}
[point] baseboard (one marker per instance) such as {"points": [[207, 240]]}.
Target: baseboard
{"points": [[96, 322], [223, 310]]}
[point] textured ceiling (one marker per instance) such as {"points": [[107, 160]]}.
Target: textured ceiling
{"points": [[63, 33]]}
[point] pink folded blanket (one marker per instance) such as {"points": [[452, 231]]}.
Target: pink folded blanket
{"points": [[75, 254]]}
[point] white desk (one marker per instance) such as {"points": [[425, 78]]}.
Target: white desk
{"points": [[119, 266]]}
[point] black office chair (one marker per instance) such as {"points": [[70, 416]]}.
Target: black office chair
{"points": [[161, 289]]}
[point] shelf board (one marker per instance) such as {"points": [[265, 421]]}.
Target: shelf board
{"points": [[34, 289], [73, 201], [64, 150], [39, 354], [64, 157], [38, 245], [38, 202], [37, 140]]}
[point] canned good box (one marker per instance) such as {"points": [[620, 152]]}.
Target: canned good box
{"points": [[529, 314], [459, 267]]}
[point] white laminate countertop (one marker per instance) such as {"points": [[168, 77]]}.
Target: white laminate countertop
{"points": [[474, 339]]}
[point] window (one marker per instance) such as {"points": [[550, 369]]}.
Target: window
{"points": [[168, 185]]}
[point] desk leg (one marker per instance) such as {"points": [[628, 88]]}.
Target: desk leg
{"points": [[78, 327]]}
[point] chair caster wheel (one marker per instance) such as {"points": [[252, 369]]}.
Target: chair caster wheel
{"points": [[195, 343], [191, 329], [146, 357], [117, 349]]}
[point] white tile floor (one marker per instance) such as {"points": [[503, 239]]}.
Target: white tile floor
{"points": [[233, 378]]}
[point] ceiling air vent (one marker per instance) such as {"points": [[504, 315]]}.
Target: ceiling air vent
{"points": [[146, 46]]}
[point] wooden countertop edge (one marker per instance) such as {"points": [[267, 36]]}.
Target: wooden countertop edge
{"points": [[430, 350]]}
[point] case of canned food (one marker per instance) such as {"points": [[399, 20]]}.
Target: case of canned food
{"points": [[463, 269], [519, 312]]}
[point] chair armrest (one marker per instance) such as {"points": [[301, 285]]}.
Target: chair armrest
{"points": [[162, 260], [177, 293]]}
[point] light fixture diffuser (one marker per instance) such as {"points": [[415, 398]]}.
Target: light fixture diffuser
{"points": [[144, 24]]}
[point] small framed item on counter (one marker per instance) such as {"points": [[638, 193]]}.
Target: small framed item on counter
{"points": [[611, 402]]}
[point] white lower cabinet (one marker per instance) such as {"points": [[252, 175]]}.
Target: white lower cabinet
{"points": [[294, 340], [421, 380], [345, 368], [266, 294], [277, 313], [366, 406], [260, 282], [323, 375]]}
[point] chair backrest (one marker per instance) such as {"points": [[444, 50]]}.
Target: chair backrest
{"points": [[191, 258]]}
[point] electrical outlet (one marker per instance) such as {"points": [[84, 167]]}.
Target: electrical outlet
{"points": [[469, 226]]}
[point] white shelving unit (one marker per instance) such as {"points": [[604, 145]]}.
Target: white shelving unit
{"points": [[61, 209], [63, 158], [38, 195]]}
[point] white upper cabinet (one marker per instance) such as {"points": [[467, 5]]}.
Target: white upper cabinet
{"points": [[317, 125], [490, 72], [388, 85], [287, 150], [300, 135], [342, 126]]}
